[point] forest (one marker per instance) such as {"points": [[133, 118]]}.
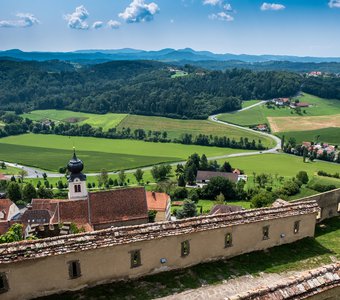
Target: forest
{"points": [[324, 87], [138, 87]]}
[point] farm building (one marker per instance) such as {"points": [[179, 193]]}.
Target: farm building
{"points": [[161, 203]]}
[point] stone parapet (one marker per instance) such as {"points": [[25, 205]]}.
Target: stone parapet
{"points": [[303, 286]]}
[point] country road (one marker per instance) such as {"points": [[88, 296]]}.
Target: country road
{"points": [[37, 173]]}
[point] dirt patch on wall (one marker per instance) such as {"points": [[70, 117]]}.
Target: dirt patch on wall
{"points": [[278, 124]]}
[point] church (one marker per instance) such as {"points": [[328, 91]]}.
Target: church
{"points": [[90, 210]]}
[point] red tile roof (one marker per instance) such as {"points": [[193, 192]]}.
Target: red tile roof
{"points": [[118, 205], [157, 201], [5, 205], [4, 226]]}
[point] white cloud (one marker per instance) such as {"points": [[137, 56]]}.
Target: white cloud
{"points": [[113, 24], [227, 7], [97, 25], [24, 20], [212, 2], [334, 3], [221, 16], [139, 11], [77, 20], [272, 6]]}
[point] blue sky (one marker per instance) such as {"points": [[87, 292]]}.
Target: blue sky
{"points": [[292, 27]]}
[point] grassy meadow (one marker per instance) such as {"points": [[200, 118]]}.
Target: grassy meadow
{"points": [[281, 164], [52, 151], [106, 121], [175, 128], [325, 135], [248, 103], [259, 114]]}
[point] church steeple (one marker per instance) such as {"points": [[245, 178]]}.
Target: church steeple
{"points": [[76, 179]]}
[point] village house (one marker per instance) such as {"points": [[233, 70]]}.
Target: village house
{"points": [[281, 101], [8, 210], [203, 177], [224, 209], [161, 203], [299, 104]]}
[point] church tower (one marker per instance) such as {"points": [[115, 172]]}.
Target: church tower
{"points": [[76, 180]]}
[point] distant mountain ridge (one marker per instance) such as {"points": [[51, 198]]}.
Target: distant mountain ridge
{"points": [[165, 55]]}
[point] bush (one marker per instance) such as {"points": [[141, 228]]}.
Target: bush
{"points": [[303, 177], [321, 188], [180, 193], [262, 199]]}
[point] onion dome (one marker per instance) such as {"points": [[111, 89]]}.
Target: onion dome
{"points": [[75, 165]]}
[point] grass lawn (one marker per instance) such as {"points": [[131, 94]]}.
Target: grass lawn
{"points": [[307, 253], [50, 152], [175, 128], [179, 74], [281, 164], [10, 171], [106, 121], [249, 103], [259, 114], [325, 135]]}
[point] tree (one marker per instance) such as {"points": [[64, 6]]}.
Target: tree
{"points": [[139, 175], [180, 193], [282, 142], [303, 177], [262, 199], [179, 170], [204, 165], [3, 165], [226, 167], [181, 181], [44, 175], [29, 192], [190, 174], [14, 234], [60, 185], [103, 178], [262, 179], [121, 177], [14, 191], [160, 173], [218, 185], [44, 193], [189, 210], [152, 216]]}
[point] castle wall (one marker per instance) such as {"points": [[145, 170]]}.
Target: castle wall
{"points": [[329, 202], [31, 275]]}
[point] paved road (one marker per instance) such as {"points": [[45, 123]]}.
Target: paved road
{"points": [[37, 173]]}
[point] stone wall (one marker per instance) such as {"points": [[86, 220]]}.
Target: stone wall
{"points": [[42, 267], [329, 202], [319, 284]]}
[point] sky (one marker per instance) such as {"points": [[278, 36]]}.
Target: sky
{"points": [[286, 27]]}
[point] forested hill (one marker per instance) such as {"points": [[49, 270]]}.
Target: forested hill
{"points": [[139, 87]]}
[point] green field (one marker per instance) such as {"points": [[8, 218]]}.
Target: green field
{"points": [[10, 171], [179, 74], [106, 121], [249, 103], [52, 151], [326, 135], [281, 164], [175, 128], [259, 114]]}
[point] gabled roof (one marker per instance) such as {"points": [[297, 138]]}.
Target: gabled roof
{"points": [[5, 205], [40, 216], [207, 175], [157, 201], [118, 205]]}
